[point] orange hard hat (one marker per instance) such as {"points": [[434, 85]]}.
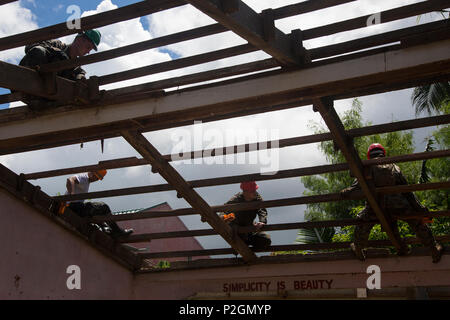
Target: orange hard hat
{"points": [[249, 186], [100, 174]]}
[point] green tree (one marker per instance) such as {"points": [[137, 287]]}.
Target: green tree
{"points": [[431, 98], [396, 143]]}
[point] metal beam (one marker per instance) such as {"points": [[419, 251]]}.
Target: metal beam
{"points": [[254, 28], [345, 144], [159, 164], [66, 125]]}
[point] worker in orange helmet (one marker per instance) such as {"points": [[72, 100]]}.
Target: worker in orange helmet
{"points": [[259, 240], [80, 183], [402, 205]]}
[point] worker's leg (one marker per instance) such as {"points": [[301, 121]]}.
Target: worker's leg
{"points": [[259, 240], [36, 56], [102, 209], [362, 233], [425, 235]]}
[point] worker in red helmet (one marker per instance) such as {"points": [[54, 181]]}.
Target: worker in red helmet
{"points": [[401, 205], [80, 183], [258, 240]]}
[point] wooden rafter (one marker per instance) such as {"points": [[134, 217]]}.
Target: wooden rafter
{"points": [[150, 153], [345, 144]]}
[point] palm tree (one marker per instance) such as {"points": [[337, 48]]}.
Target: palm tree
{"points": [[431, 98]]}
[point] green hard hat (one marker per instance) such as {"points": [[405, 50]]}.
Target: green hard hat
{"points": [[94, 36]]}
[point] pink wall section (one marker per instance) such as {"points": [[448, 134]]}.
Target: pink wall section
{"points": [[35, 253], [157, 225]]}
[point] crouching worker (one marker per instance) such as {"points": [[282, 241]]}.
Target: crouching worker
{"points": [[400, 205], [80, 184], [259, 240]]}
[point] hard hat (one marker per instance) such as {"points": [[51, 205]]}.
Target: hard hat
{"points": [[374, 150], [249, 186], [93, 35], [100, 174]]}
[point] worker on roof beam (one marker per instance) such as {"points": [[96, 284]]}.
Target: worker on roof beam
{"points": [[44, 52], [80, 183], [258, 239], [402, 205]]}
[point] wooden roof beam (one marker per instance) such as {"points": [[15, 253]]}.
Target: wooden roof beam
{"points": [[345, 144], [152, 155], [258, 30]]}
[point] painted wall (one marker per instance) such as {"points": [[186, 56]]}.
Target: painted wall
{"points": [[36, 252], [163, 224]]}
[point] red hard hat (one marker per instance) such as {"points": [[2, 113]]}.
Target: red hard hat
{"points": [[375, 146], [249, 186]]}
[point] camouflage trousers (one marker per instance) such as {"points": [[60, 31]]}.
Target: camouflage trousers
{"points": [[258, 240], [362, 232]]}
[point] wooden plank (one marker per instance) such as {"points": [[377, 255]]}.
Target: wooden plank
{"points": [[249, 25], [385, 16], [275, 248], [380, 39], [139, 9], [176, 64], [2, 2], [305, 7], [381, 71], [150, 153], [333, 122], [29, 81]]}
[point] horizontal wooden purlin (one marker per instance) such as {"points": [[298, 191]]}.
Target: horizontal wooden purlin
{"points": [[382, 71], [357, 195], [305, 7], [291, 247], [29, 81], [10, 97], [370, 130], [378, 40], [385, 16], [176, 64], [249, 177], [190, 79], [136, 10], [136, 47], [249, 25], [135, 238]]}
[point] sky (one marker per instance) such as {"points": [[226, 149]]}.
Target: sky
{"points": [[28, 15]]}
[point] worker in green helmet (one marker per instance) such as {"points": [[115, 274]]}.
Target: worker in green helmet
{"points": [[48, 51]]}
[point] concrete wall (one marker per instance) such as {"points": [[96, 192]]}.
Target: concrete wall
{"points": [[35, 253]]}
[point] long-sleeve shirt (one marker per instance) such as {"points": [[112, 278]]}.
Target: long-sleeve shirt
{"points": [[385, 175], [246, 218]]}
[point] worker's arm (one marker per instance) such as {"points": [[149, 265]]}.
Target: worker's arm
{"points": [[233, 200]]}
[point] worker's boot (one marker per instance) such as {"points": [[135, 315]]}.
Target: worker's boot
{"points": [[436, 252], [117, 231], [358, 251]]}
